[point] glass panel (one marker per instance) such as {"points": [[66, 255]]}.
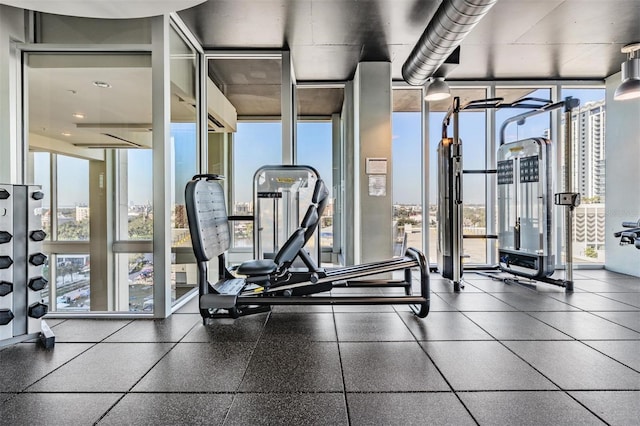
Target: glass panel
{"points": [[73, 199], [251, 86], [407, 169], [315, 149], [588, 123], [140, 271], [184, 154], [72, 283], [534, 127], [91, 114], [254, 145], [474, 219], [140, 195], [42, 177]]}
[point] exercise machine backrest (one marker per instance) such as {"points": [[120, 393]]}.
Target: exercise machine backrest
{"points": [[207, 217], [312, 217]]}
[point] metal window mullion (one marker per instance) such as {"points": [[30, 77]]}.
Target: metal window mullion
{"points": [[491, 180], [424, 117], [161, 117]]}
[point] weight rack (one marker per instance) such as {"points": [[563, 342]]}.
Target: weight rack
{"points": [[21, 266]]}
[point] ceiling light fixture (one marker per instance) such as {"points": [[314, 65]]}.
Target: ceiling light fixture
{"points": [[102, 84], [630, 86], [78, 115], [437, 90], [67, 134]]}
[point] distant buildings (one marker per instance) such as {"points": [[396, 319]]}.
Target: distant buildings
{"points": [[588, 145]]}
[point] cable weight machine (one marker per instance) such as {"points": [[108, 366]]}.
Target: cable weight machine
{"points": [[525, 231]]}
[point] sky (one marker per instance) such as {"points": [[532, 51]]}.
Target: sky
{"points": [[259, 144]]}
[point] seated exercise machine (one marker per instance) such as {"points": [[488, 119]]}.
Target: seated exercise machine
{"points": [[631, 234], [268, 282]]}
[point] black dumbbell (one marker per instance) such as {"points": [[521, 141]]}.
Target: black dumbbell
{"points": [[38, 195], [37, 283], [37, 310], [5, 237], [37, 259], [38, 235], [5, 262], [5, 288], [5, 316], [4, 194]]}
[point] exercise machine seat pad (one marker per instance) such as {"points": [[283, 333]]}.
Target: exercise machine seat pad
{"points": [[257, 267]]}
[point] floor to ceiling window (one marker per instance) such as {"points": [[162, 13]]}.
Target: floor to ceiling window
{"points": [[318, 145], [251, 86], [589, 166], [407, 157]]}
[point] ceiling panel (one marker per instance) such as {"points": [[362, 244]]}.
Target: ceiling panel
{"points": [[517, 39]]}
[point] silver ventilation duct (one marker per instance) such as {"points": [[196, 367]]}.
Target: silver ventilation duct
{"points": [[453, 20]]}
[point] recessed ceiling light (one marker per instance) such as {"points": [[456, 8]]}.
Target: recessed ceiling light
{"points": [[78, 115], [66, 134], [102, 84]]}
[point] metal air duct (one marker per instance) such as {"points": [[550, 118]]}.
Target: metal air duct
{"points": [[453, 20]]}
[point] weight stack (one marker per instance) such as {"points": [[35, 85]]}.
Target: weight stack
{"points": [[21, 263]]}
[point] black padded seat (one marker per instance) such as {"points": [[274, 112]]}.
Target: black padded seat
{"points": [[257, 267]]}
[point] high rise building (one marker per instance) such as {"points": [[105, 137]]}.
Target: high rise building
{"points": [[588, 146]]}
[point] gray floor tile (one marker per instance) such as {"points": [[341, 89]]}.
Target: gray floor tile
{"points": [[292, 326], [492, 286], [615, 408], [575, 366], [515, 326], [56, 408], [437, 304], [363, 308], [407, 409], [484, 366], [626, 352], [301, 309], [533, 301], [23, 364], [441, 285], [243, 329], [526, 408], [171, 329], [468, 302], [106, 367], [632, 299], [600, 286], [6, 396], [443, 326], [389, 367], [288, 409], [87, 330], [583, 325], [296, 366], [593, 302], [169, 409], [626, 319], [199, 367], [380, 327]]}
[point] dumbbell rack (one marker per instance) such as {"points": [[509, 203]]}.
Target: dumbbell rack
{"points": [[21, 264]]}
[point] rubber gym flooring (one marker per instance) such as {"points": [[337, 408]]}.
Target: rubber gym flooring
{"points": [[493, 354]]}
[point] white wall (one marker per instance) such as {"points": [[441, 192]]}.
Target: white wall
{"points": [[12, 28], [622, 153]]}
